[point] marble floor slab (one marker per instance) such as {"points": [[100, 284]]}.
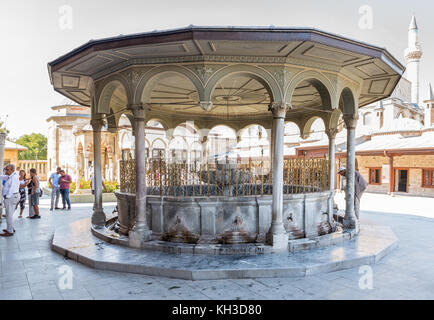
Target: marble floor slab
{"points": [[76, 242]]}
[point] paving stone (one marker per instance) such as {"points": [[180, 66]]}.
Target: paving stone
{"points": [[29, 266], [18, 293]]}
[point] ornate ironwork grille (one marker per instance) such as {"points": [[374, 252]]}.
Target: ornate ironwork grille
{"points": [[166, 177]]}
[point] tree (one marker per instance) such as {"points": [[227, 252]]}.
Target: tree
{"points": [[3, 127], [36, 144]]}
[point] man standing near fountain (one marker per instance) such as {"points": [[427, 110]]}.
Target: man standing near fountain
{"points": [[11, 196], [360, 185]]}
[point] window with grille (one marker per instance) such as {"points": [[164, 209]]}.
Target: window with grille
{"points": [[428, 178], [374, 175]]}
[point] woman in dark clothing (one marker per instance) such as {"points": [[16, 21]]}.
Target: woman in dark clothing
{"points": [[29, 196], [23, 183]]}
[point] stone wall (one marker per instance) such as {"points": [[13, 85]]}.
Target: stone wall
{"points": [[414, 163], [215, 219], [11, 156]]}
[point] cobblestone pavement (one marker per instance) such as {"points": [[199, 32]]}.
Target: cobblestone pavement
{"points": [[30, 270]]}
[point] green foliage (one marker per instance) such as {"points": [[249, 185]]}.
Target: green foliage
{"points": [[36, 144], [72, 187], [3, 127], [84, 184], [111, 186]]}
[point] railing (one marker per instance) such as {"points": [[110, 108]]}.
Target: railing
{"points": [[166, 177], [41, 167]]}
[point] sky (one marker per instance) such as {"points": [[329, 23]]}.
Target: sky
{"points": [[34, 33]]}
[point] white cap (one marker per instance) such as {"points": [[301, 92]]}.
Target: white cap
{"points": [[341, 169]]}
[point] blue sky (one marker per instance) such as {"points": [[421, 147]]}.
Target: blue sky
{"points": [[31, 36]]}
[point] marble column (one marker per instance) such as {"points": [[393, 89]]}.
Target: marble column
{"points": [[110, 167], [204, 150], [350, 220], [331, 133], [2, 153], [86, 165], [271, 139], [277, 236], [141, 232], [98, 217], [77, 172]]}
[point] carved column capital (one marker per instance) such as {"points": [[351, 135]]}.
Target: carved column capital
{"points": [[139, 110], [350, 121], [97, 123], [331, 132], [279, 109]]}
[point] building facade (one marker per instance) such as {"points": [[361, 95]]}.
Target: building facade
{"points": [[395, 136]]}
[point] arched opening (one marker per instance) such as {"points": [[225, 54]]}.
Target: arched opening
{"points": [[126, 140], [221, 141], [347, 102], [253, 143], [196, 152], [291, 138], [158, 148], [154, 130], [113, 97], [178, 150], [317, 129], [311, 93]]}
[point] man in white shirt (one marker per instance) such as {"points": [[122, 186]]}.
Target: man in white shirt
{"points": [[11, 196]]}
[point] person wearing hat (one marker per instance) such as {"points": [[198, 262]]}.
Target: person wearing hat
{"points": [[360, 185]]}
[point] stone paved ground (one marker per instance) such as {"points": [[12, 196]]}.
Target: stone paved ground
{"points": [[30, 270]]}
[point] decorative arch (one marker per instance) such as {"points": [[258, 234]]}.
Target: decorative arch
{"points": [[242, 130], [219, 123], [111, 121], [126, 142], [348, 102], [163, 122], [261, 75], [155, 141], [129, 117], [321, 83], [331, 120], [307, 125], [297, 123], [151, 78], [107, 88]]}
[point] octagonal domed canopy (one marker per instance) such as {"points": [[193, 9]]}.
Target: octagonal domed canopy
{"points": [[279, 54]]}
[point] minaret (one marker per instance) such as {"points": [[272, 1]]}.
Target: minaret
{"points": [[412, 57], [429, 109]]}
